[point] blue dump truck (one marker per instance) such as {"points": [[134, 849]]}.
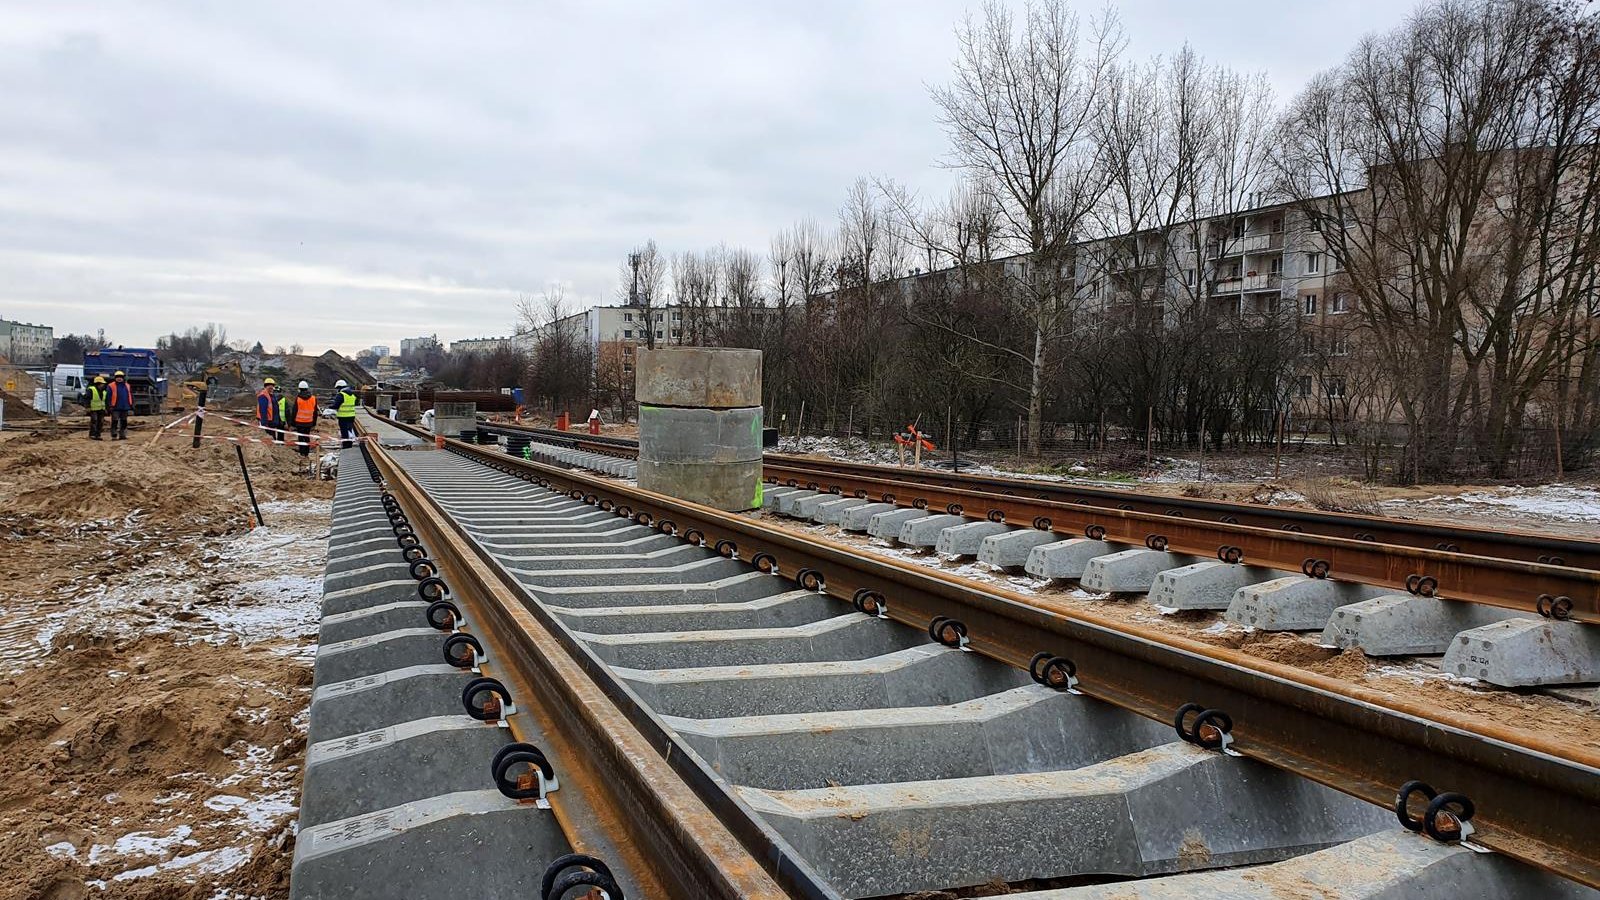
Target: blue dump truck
{"points": [[143, 369]]}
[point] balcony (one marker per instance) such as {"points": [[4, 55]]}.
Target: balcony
{"points": [[1269, 282], [1250, 243]]}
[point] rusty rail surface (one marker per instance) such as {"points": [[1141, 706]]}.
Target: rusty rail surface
{"points": [[1508, 543], [620, 778], [1535, 799], [1359, 556]]}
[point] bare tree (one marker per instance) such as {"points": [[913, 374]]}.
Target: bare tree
{"points": [[1019, 115], [563, 363]]}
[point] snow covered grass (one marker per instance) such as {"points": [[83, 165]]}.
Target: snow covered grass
{"points": [[1546, 503]]}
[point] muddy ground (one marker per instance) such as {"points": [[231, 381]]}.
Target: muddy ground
{"points": [[157, 664]]}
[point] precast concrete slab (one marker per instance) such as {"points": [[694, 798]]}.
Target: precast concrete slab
{"points": [[1208, 584], [1129, 571], [850, 635], [361, 556], [364, 596], [377, 769], [1406, 625], [371, 620], [645, 541], [1294, 602], [806, 507], [374, 573], [928, 675], [795, 607], [343, 708], [1525, 652], [1026, 729], [967, 539], [787, 502], [1065, 559], [677, 555], [857, 517], [733, 589], [431, 847], [354, 657], [773, 493], [1010, 549], [1170, 808], [925, 531], [616, 530], [833, 511], [887, 524], [698, 571], [1388, 865]]}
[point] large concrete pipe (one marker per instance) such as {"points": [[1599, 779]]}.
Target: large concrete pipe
{"points": [[700, 425]]}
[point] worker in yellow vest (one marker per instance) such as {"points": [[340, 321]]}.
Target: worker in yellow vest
{"points": [[344, 408], [97, 407]]}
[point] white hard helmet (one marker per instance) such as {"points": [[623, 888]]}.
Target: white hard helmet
{"points": [[303, 386], [341, 383]]}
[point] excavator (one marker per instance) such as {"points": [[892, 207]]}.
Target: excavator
{"points": [[219, 381]]}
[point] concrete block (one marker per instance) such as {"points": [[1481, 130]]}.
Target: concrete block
{"points": [[773, 493], [734, 487], [1129, 571], [401, 851], [842, 637], [671, 434], [1413, 867], [887, 524], [1010, 549], [1208, 584], [1111, 818], [806, 507], [832, 512], [1064, 559], [378, 769], [787, 502], [1524, 652], [967, 538], [924, 532], [711, 377], [856, 518], [1293, 602], [1405, 625]]}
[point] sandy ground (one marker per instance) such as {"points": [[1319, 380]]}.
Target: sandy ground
{"points": [[1568, 720], [157, 670]]}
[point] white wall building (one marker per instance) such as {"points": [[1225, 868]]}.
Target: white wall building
{"points": [[27, 345]]}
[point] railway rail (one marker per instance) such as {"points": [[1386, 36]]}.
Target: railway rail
{"points": [[652, 643], [1522, 571]]}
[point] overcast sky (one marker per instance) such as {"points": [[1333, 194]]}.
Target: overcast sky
{"points": [[351, 173]]}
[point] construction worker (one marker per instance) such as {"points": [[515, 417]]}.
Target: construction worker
{"points": [[304, 408], [267, 415], [97, 407], [119, 400], [345, 409]]}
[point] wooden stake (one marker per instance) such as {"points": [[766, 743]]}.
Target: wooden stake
{"points": [[199, 418]]}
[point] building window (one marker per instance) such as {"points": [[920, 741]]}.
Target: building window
{"points": [[1339, 346], [1275, 266], [1336, 303], [658, 333], [1310, 307], [627, 332], [1335, 387], [1313, 263], [677, 332], [677, 317], [1308, 344], [1238, 228], [627, 317], [1188, 277], [1304, 386], [1277, 225]]}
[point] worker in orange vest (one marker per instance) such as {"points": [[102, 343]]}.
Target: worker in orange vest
{"points": [[120, 401], [267, 411], [303, 411]]}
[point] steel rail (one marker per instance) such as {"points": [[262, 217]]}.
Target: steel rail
{"points": [[678, 845], [1447, 575], [1510, 544], [1535, 798]]}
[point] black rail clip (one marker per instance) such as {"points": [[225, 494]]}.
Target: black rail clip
{"points": [[1447, 817], [1212, 729]]}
